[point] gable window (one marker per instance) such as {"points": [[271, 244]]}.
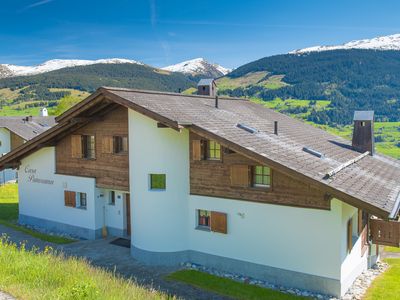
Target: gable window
{"points": [[88, 146], [82, 200], [120, 144], [261, 176], [157, 182], [112, 198], [213, 150]]}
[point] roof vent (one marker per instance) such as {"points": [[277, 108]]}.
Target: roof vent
{"points": [[276, 127], [247, 128], [313, 152]]}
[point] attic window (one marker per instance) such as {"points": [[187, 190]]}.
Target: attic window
{"points": [[313, 152], [247, 128]]}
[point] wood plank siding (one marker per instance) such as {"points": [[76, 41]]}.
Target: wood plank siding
{"points": [[110, 170], [16, 140], [214, 178]]}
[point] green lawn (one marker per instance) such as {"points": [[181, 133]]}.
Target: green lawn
{"points": [[48, 275], [9, 215], [387, 285], [392, 249], [228, 287]]}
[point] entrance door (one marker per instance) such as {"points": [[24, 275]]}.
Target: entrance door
{"points": [[128, 214]]}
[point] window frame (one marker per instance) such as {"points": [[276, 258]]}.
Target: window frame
{"points": [[211, 152], [81, 200], [118, 144], [154, 188], [112, 198], [263, 174], [207, 219], [88, 139]]}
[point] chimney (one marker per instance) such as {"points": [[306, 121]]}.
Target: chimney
{"points": [[43, 112], [207, 87], [28, 119], [363, 132], [276, 127]]}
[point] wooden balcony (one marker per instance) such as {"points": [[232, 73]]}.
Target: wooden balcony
{"points": [[385, 232]]}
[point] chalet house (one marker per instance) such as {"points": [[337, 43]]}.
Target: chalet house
{"points": [[14, 131], [221, 182]]}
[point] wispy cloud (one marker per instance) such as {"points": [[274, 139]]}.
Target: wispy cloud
{"points": [[153, 13], [38, 3]]}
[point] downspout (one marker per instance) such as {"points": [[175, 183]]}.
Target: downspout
{"points": [[396, 208]]}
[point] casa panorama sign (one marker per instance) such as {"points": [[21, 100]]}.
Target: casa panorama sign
{"points": [[32, 176]]}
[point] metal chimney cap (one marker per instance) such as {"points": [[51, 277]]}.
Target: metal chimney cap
{"points": [[363, 115]]}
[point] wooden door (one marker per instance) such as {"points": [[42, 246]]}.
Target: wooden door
{"points": [[128, 214]]}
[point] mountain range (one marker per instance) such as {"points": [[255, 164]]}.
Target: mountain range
{"points": [[194, 67]]}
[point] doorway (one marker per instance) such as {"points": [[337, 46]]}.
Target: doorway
{"points": [[128, 214]]}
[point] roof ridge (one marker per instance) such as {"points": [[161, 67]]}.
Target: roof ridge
{"points": [[168, 93]]}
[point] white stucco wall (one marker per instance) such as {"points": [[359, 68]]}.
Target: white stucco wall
{"points": [[159, 218], [353, 263], [46, 201], [5, 146], [296, 239]]}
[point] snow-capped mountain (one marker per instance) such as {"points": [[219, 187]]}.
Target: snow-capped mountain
{"points": [[389, 42], [198, 66], [7, 70]]}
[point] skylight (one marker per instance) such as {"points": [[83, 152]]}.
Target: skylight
{"points": [[247, 128]]}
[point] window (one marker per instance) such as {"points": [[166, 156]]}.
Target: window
{"points": [[212, 221], [261, 176], [82, 200], [75, 199], [203, 218], [213, 150], [112, 198], [120, 144], [157, 181], [88, 146]]}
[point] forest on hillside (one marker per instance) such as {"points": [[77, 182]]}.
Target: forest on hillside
{"points": [[350, 79]]}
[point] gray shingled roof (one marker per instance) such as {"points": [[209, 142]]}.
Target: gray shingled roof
{"points": [[374, 179], [366, 115], [206, 81], [27, 129]]}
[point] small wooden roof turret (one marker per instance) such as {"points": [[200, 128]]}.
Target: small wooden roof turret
{"points": [[363, 133], [207, 87]]}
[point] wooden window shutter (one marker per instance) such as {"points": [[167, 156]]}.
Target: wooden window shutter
{"points": [[240, 175], [70, 198], [76, 146], [107, 144], [196, 149], [219, 222], [349, 235]]}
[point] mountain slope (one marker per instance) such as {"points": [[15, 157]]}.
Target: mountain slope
{"points": [[7, 70], [349, 79], [389, 42], [88, 78], [198, 67]]}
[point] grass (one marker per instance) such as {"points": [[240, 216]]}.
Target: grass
{"points": [[29, 274], [9, 215], [228, 287], [387, 285], [392, 249]]}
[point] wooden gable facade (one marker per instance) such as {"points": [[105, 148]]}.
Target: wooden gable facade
{"points": [[230, 177], [110, 169]]}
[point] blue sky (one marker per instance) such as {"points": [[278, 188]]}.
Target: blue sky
{"points": [[160, 32]]}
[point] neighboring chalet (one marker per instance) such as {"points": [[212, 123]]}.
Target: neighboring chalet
{"points": [[14, 131], [225, 183]]}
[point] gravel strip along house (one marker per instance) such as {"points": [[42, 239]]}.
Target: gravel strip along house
{"points": [[220, 182], [14, 131]]}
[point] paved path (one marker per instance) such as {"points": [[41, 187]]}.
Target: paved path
{"points": [[102, 254]]}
